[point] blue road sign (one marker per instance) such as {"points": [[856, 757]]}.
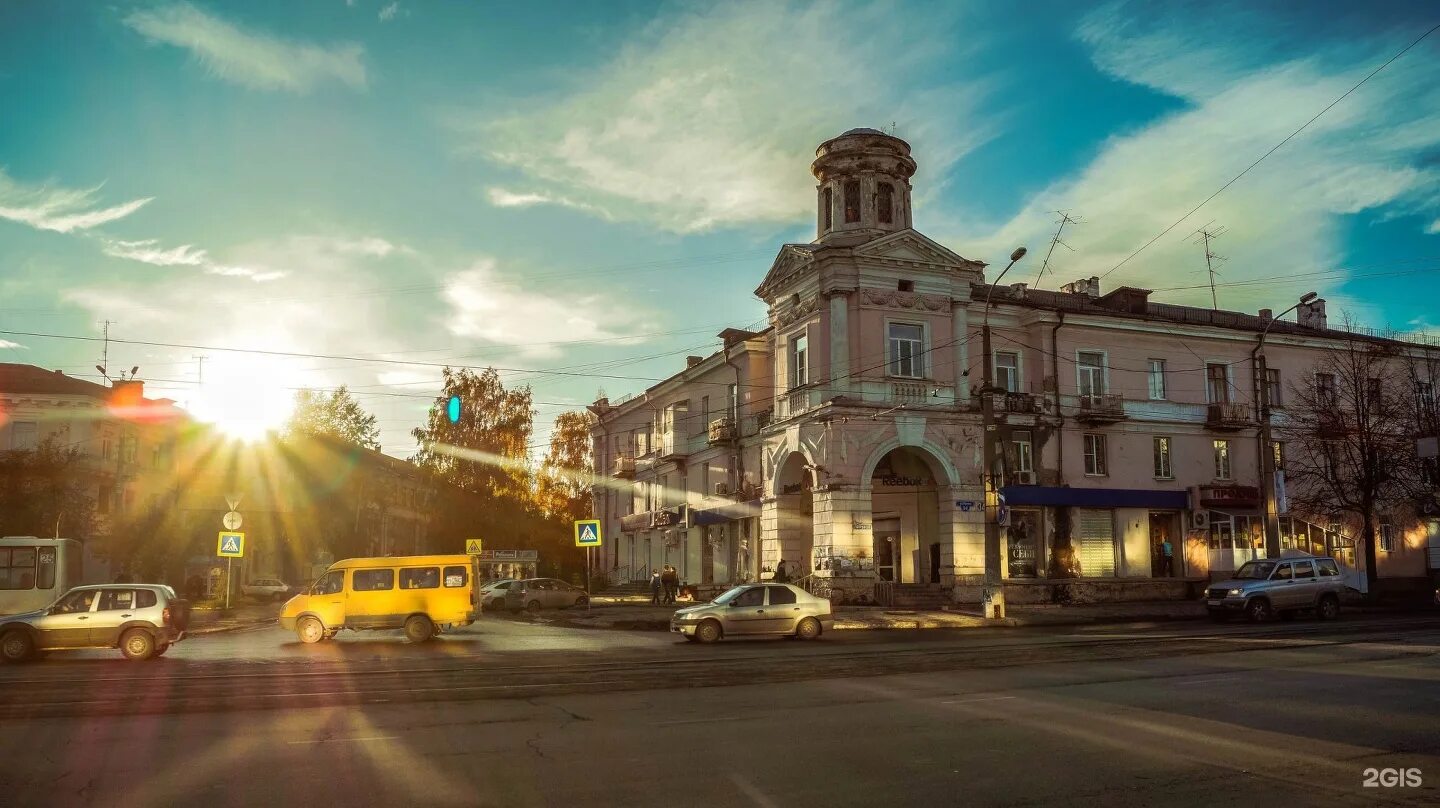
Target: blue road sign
{"points": [[232, 545], [587, 532]]}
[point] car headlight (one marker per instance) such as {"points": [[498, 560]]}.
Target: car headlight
{"points": [[1235, 593]]}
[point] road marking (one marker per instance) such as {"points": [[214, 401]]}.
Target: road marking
{"points": [[342, 740], [972, 701], [1208, 681], [699, 721], [756, 795]]}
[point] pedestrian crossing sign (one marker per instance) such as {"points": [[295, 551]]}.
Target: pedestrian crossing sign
{"points": [[587, 532], [232, 545], [472, 546]]}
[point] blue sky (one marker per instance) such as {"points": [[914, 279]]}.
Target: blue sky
{"points": [[597, 188]]}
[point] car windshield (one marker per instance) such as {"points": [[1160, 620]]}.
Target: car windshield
{"points": [[730, 594], [1255, 570]]}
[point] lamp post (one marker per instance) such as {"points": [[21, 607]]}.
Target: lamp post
{"points": [[993, 595], [1268, 496]]}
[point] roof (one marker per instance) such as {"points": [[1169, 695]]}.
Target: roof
{"points": [[862, 130], [17, 378], [399, 561]]}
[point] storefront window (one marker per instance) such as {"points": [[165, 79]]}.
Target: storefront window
{"points": [[1023, 537]]}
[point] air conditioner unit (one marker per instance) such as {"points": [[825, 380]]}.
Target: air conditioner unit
{"points": [[1023, 477], [722, 489], [1200, 519]]}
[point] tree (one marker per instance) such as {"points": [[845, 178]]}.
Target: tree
{"points": [[487, 451], [563, 489], [337, 415], [1350, 439], [45, 491]]}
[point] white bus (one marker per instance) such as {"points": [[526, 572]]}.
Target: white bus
{"points": [[34, 572]]}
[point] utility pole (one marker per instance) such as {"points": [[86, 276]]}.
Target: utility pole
{"points": [[200, 369], [1064, 220], [1205, 235], [1269, 497], [993, 595]]}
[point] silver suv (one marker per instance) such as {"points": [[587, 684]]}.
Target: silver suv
{"points": [[1282, 586], [142, 620]]}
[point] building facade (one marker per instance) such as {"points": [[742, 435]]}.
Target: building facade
{"points": [[846, 441]]}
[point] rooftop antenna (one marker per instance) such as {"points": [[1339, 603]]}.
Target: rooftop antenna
{"points": [[200, 368], [105, 351], [1205, 235], [1065, 218]]}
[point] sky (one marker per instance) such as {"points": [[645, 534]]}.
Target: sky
{"points": [[359, 192]]}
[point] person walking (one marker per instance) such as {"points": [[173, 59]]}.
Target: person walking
{"points": [[655, 585], [670, 578], [781, 576]]}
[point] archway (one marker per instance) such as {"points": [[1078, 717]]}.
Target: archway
{"points": [[905, 508], [795, 519]]}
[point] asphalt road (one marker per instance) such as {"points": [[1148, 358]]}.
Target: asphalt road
{"points": [[1287, 714]]}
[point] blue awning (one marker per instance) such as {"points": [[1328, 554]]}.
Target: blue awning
{"points": [[1094, 497], [725, 513]]}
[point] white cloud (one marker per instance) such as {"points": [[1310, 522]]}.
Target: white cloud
{"points": [[8, 345], [484, 307], [61, 210], [250, 58], [1285, 216], [709, 118], [502, 198], [389, 11], [149, 251]]}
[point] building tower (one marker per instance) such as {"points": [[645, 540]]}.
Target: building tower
{"points": [[864, 189]]}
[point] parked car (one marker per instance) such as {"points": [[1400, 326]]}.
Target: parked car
{"points": [[492, 594], [756, 609], [535, 594], [1264, 588], [142, 620], [266, 589]]}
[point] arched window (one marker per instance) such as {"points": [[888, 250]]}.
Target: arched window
{"points": [[827, 202], [852, 201], [885, 203]]}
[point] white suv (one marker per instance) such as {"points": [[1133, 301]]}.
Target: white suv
{"points": [[142, 620], [266, 589]]}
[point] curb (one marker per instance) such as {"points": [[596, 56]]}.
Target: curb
{"points": [[204, 630]]}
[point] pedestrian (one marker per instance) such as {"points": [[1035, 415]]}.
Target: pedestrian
{"points": [[780, 575], [671, 579], [655, 585], [1167, 558]]}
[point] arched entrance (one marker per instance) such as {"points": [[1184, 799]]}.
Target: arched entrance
{"points": [[795, 519], [905, 507]]}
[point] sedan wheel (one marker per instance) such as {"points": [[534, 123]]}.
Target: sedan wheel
{"points": [[1329, 608], [16, 646], [533, 606], [1258, 610], [808, 629], [708, 631], [582, 601]]}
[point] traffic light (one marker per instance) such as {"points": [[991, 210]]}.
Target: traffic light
{"points": [[452, 409]]}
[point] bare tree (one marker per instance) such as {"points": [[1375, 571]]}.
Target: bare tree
{"points": [[1349, 432]]}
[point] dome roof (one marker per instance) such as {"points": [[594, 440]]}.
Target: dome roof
{"points": [[864, 130]]}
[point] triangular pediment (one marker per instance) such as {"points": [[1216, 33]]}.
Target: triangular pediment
{"points": [[910, 245], [791, 260]]}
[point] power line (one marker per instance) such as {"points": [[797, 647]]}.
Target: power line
{"points": [[1272, 150]]}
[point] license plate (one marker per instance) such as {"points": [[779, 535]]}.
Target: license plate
{"points": [[1214, 602]]}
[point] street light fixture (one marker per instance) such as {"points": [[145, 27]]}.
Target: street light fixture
{"points": [[1268, 495], [993, 595]]}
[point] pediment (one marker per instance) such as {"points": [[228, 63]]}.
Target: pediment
{"points": [[911, 246], [790, 261]]}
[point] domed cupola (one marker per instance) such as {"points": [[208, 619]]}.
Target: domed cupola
{"points": [[864, 188]]}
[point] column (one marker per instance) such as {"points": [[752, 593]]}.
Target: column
{"points": [[962, 559], [960, 350], [844, 542], [769, 539], [839, 343]]}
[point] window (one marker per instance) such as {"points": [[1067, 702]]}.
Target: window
{"points": [[420, 578], [1325, 389], [885, 202], [128, 445], [1303, 569], [1272, 387], [144, 598], [1024, 456], [1157, 379], [1328, 568], [117, 599], [45, 568], [17, 568], [799, 361], [702, 424], [781, 595], [1222, 459], [905, 286], [1387, 537], [1425, 399], [372, 580], [1163, 471], [1372, 393], [1095, 455], [77, 602], [1007, 371], [852, 201], [732, 401], [827, 211], [1277, 455], [754, 596], [907, 350], [1217, 383], [1091, 369], [1284, 573], [330, 583], [24, 435], [107, 449]]}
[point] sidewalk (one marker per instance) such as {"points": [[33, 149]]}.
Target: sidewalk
{"points": [[246, 613], [635, 613]]}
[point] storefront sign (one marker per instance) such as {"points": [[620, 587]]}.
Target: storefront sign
{"points": [[508, 555], [896, 480], [1023, 538], [1229, 496], [670, 517]]}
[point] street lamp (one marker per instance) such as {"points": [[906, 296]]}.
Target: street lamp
{"points": [[1268, 495], [993, 595]]}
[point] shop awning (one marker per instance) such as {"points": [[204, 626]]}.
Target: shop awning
{"points": [[1094, 497], [725, 513]]}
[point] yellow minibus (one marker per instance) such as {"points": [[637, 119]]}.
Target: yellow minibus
{"points": [[421, 594]]}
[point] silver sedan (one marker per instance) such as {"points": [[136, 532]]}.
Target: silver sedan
{"points": [[755, 610]]}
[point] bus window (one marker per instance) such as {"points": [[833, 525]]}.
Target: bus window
{"points": [[372, 580], [455, 577], [420, 578], [45, 576], [17, 568], [330, 584]]}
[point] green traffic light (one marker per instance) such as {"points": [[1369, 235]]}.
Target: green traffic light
{"points": [[453, 409]]}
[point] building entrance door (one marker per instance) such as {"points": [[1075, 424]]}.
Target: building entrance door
{"points": [[935, 563], [707, 557], [887, 543], [1162, 544]]}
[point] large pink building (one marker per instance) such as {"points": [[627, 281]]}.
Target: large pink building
{"points": [[845, 440]]}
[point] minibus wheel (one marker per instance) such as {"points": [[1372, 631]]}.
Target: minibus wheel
{"points": [[419, 628]]}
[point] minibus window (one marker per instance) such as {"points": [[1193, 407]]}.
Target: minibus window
{"points": [[330, 584], [455, 577], [372, 580], [420, 578]]}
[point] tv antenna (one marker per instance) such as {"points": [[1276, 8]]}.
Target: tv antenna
{"points": [[1205, 235], [1065, 218]]}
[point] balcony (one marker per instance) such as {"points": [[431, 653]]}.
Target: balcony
{"points": [[1104, 408], [1228, 416], [909, 392], [624, 466], [670, 446], [1017, 403], [721, 430], [796, 402]]}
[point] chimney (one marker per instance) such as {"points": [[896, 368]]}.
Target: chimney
{"points": [[1267, 315], [1312, 314], [692, 361], [1018, 289], [1089, 287]]}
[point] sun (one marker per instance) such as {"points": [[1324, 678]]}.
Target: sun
{"points": [[245, 398]]}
